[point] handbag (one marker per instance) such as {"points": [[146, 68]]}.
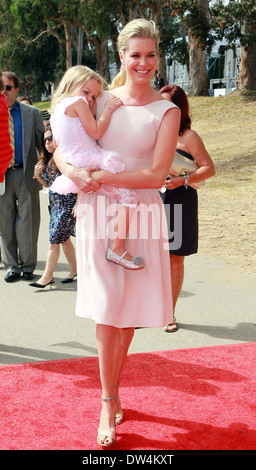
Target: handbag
{"points": [[182, 165]]}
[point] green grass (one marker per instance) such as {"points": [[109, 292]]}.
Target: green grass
{"points": [[43, 105]]}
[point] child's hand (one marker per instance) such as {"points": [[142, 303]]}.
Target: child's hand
{"points": [[74, 210], [113, 103]]}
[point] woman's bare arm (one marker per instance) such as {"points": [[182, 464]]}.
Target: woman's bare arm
{"points": [[80, 176], [196, 148]]}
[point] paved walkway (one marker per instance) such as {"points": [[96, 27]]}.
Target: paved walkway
{"points": [[216, 307]]}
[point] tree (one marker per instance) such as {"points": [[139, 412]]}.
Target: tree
{"points": [[196, 16], [27, 48], [237, 21], [60, 13], [98, 18], [31, 28]]}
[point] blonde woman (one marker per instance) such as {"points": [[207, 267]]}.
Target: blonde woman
{"points": [[144, 132]]}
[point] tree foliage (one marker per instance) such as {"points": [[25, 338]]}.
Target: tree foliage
{"points": [[208, 21], [33, 32], [197, 18], [39, 38], [236, 21]]}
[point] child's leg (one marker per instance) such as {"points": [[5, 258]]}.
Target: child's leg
{"points": [[117, 252], [121, 229]]}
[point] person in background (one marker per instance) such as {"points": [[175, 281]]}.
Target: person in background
{"points": [[6, 151], [62, 221], [179, 191], [19, 200], [159, 81], [25, 100], [46, 116]]}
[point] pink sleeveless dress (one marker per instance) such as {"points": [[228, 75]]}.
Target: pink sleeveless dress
{"points": [[81, 150], [106, 292]]}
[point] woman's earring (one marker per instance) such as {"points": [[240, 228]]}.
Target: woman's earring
{"points": [[123, 66]]}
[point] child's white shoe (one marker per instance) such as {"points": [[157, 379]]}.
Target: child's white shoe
{"points": [[135, 263]]}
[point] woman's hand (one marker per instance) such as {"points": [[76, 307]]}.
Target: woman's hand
{"points": [[38, 168], [174, 182], [82, 178]]}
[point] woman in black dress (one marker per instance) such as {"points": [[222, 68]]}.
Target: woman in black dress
{"points": [[62, 220], [180, 191]]}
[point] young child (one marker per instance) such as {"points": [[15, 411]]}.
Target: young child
{"points": [[75, 131]]}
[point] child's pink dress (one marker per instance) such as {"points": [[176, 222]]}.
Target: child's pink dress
{"points": [[81, 150]]}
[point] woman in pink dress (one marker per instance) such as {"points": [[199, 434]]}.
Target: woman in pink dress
{"points": [[144, 132]]}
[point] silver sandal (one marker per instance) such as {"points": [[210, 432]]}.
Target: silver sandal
{"points": [[171, 327], [135, 263]]}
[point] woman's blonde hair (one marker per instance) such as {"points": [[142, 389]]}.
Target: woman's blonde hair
{"points": [[139, 28], [73, 81]]}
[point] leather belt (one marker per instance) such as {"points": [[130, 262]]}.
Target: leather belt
{"points": [[16, 166]]}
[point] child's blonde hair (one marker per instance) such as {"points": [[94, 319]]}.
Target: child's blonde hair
{"points": [[139, 28], [73, 81]]}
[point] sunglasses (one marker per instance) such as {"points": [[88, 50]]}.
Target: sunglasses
{"points": [[9, 87], [48, 138]]}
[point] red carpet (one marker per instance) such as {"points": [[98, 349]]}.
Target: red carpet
{"points": [[191, 399]]}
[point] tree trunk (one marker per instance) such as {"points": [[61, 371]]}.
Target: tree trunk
{"points": [[247, 70], [101, 49], [114, 37], [197, 57], [80, 46], [68, 38], [156, 17], [197, 70]]}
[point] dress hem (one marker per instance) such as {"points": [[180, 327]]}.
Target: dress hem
{"points": [[122, 327]]}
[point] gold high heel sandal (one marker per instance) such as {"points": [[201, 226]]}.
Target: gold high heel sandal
{"points": [[119, 417], [104, 435]]}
